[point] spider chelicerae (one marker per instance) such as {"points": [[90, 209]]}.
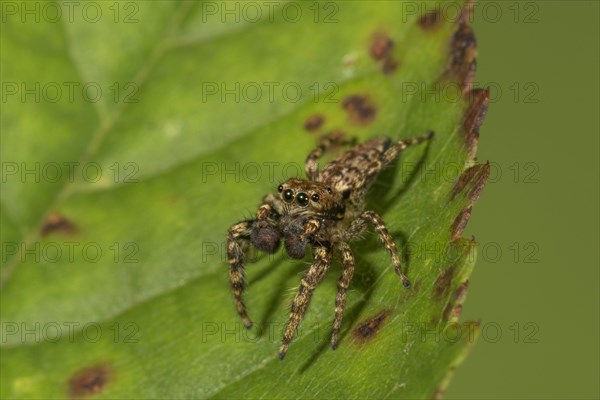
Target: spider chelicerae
{"points": [[324, 211]]}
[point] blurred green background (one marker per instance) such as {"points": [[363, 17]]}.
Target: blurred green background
{"points": [[539, 297]]}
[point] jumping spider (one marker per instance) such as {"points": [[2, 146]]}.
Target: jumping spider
{"points": [[325, 212]]}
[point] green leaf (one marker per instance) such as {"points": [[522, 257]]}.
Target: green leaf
{"points": [[132, 142]]}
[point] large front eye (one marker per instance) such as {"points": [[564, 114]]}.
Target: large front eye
{"points": [[302, 199], [288, 195]]}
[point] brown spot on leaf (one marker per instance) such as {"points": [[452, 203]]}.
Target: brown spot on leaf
{"points": [[476, 176], [464, 178], [389, 65], [360, 109], [171, 199], [366, 330], [466, 14], [381, 46], [460, 223], [430, 20], [439, 394], [479, 183], [478, 105], [337, 136], [381, 50], [314, 122], [454, 307], [442, 283], [463, 51], [89, 381], [57, 223]]}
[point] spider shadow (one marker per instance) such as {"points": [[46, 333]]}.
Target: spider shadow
{"points": [[381, 191], [295, 267], [363, 279]]}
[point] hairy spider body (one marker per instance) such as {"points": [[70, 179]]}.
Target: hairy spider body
{"points": [[324, 212]]}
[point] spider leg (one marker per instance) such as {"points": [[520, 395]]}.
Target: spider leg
{"points": [[342, 286], [311, 227], [396, 148], [270, 204], [311, 279], [326, 143], [359, 225], [237, 239]]}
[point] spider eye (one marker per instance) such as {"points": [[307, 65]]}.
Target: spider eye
{"points": [[302, 199], [288, 195], [280, 188], [315, 197], [329, 190]]}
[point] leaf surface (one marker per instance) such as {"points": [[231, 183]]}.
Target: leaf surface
{"points": [[114, 279]]}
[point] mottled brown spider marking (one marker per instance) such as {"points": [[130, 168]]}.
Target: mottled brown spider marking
{"points": [[460, 223], [311, 227], [430, 20], [328, 143], [308, 284], [314, 122], [342, 287], [381, 46], [385, 237], [235, 259], [443, 282], [89, 381], [366, 330], [56, 223], [360, 109]]}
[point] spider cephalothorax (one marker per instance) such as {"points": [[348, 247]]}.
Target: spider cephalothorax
{"points": [[324, 212], [304, 197], [301, 201]]}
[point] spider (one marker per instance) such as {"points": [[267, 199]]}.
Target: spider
{"points": [[325, 212]]}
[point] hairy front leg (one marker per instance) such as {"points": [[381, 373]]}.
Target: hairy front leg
{"points": [[311, 227], [342, 287], [237, 239], [271, 208], [311, 279]]}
